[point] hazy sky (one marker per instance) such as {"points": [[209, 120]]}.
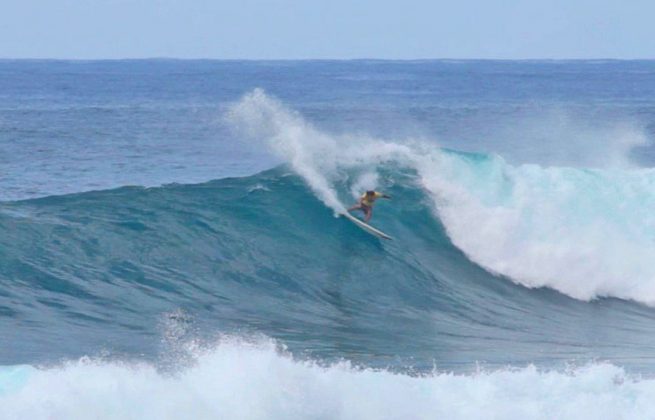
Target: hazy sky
{"points": [[327, 29]]}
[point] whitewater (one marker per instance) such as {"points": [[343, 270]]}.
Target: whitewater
{"points": [[257, 381], [170, 244]]}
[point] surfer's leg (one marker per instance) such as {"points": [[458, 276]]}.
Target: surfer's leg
{"points": [[368, 212], [355, 207]]}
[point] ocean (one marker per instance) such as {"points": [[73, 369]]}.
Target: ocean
{"points": [[170, 246]]}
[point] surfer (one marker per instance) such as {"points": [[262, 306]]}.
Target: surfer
{"points": [[366, 202]]}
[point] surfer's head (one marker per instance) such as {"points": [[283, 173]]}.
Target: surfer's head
{"points": [[370, 193]]}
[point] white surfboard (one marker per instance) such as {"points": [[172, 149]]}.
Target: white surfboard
{"points": [[365, 226]]}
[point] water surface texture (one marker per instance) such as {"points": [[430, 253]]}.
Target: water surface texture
{"points": [[169, 244]]}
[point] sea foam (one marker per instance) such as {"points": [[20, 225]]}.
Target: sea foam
{"points": [[258, 379]]}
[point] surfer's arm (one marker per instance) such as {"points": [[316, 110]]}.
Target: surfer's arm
{"points": [[380, 195]]}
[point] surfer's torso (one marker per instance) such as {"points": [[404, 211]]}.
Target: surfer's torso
{"points": [[368, 200]]}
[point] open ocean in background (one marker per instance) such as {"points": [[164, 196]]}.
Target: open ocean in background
{"points": [[169, 246]]}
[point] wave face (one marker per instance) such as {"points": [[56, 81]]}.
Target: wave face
{"points": [[263, 254]]}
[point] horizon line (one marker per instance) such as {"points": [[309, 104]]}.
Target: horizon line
{"points": [[155, 58]]}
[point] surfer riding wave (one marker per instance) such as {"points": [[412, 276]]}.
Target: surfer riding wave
{"points": [[366, 202]]}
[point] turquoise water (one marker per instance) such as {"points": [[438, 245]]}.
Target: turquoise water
{"points": [[169, 242]]}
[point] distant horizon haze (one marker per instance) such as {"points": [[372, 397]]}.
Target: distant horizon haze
{"points": [[336, 30]]}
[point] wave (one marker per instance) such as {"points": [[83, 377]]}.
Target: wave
{"points": [[264, 254], [587, 233], [93, 272], [259, 379]]}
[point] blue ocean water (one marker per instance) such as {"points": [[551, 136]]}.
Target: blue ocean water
{"points": [[169, 244]]}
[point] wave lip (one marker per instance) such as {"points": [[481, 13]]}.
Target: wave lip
{"points": [[259, 380]]}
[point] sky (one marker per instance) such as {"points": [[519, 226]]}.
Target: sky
{"points": [[327, 29]]}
